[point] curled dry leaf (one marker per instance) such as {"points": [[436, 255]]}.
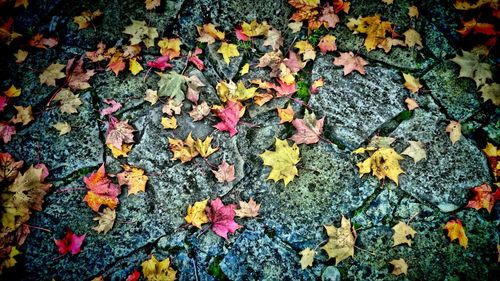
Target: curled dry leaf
{"points": [[286, 114], [411, 83], [200, 111], [105, 221], [400, 267], [455, 131], [151, 96], [169, 122], [24, 115], [411, 104]]}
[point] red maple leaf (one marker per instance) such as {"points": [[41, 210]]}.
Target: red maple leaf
{"points": [[102, 191], [3, 102], [483, 197], [230, 116], [71, 243], [196, 60], [160, 63], [350, 62], [134, 276], [309, 129], [222, 218]]}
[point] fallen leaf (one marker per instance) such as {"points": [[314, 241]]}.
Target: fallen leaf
{"points": [[411, 83], [286, 114], [120, 152], [12, 92], [20, 3], [384, 162], [105, 221], [483, 197], [116, 64], [170, 47], [200, 111], [374, 28], [244, 69], [193, 58], [38, 41], [416, 150], [228, 51], [153, 270], [69, 101], [6, 132], [273, 39], [183, 150], [457, 231], [411, 104], [7, 35], [350, 62], [327, 43], [135, 275], [221, 218], [151, 4], [224, 172], [340, 241], [62, 127], [51, 74], [9, 261], [248, 209], [413, 11], [76, 76], [3, 102], [134, 66], [412, 38], [21, 56], [307, 258], [306, 50], [172, 107], [209, 33], [86, 17], [101, 190], [254, 29], [134, 178], [309, 129], [169, 122], [295, 26], [388, 2], [282, 161], [24, 115], [400, 267], [455, 131], [205, 148], [380, 141], [119, 133], [328, 17], [151, 96], [114, 107], [160, 63], [401, 233], [196, 214], [491, 92], [141, 33], [493, 155], [315, 85], [230, 115], [172, 85], [9, 168], [70, 243], [471, 67]]}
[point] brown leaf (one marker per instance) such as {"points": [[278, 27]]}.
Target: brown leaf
{"points": [[248, 210]]}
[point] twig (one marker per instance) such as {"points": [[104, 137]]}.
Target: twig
{"points": [[69, 189], [37, 227], [361, 249], [195, 269]]}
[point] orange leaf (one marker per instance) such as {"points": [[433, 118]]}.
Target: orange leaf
{"points": [[457, 231], [483, 197]]}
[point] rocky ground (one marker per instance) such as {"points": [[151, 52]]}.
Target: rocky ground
{"points": [[356, 107]]}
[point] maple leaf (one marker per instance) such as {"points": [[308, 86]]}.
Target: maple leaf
{"points": [[244, 69], [160, 63], [209, 33], [204, 148], [24, 115], [134, 178], [9, 260], [6, 132], [196, 214], [105, 220], [119, 132], [183, 150], [411, 83], [491, 92], [308, 129], [134, 276], [172, 85], [315, 85], [273, 39], [9, 168], [416, 151], [70, 243], [221, 218], [172, 107], [51, 74], [286, 114], [401, 233], [114, 106], [455, 131], [38, 41], [282, 161], [384, 162], [388, 2], [101, 190], [21, 56], [120, 152], [470, 67], [62, 127], [295, 26], [3, 102], [307, 257], [230, 115], [224, 172], [193, 58], [117, 63], [483, 197], [457, 231], [228, 51], [254, 29], [141, 33], [20, 3], [12, 92], [76, 77], [477, 27], [151, 96], [374, 28], [151, 4], [306, 50], [350, 62], [493, 155], [400, 267], [327, 43], [328, 17], [413, 11], [199, 111], [7, 35], [411, 103], [412, 38], [170, 47], [169, 123], [86, 17], [340, 241], [154, 270], [465, 5], [69, 102], [134, 66], [248, 209]]}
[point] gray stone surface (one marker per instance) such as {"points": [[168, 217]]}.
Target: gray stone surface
{"points": [[444, 178], [356, 105]]}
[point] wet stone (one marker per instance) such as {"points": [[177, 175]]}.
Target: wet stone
{"points": [[356, 105]]}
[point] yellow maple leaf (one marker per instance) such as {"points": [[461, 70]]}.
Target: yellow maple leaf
{"points": [[183, 150], [244, 69], [471, 67], [209, 33], [116, 152], [491, 92], [86, 18], [140, 32], [134, 178], [12, 92], [154, 270], [254, 28], [170, 47], [455, 131], [204, 147], [413, 11], [9, 261], [169, 122], [236, 92], [457, 231], [400, 267], [69, 102], [286, 114], [401, 233], [62, 127], [151, 4], [306, 50], [384, 162], [196, 214], [374, 28], [412, 38], [411, 83], [52, 73], [134, 66], [105, 221], [21, 55], [282, 161], [307, 258], [24, 115], [228, 51], [340, 241]]}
